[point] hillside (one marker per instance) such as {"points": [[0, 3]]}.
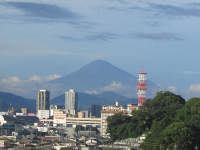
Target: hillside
{"points": [[8, 99]]}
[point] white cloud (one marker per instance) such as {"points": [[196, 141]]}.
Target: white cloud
{"points": [[35, 78], [26, 86], [114, 86], [194, 88], [172, 89], [92, 92], [52, 77], [38, 78], [14, 80], [11, 79]]}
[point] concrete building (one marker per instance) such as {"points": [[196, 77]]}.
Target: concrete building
{"points": [[4, 144], [43, 98], [95, 110], [71, 102], [87, 114], [131, 108], [109, 111], [43, 114], [81, 114], [24, 111], [59, 117], [54, 108], [2, 120], [73, 122]]}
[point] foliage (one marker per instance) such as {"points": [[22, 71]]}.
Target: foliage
{"points": [[167, 120], [178, 135]]}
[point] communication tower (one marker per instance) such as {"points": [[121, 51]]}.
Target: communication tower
{"points": [[141, 88]]}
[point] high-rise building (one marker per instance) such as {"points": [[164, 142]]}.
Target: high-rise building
{"points": [[43, 97], [95, 110], [71, 102]]}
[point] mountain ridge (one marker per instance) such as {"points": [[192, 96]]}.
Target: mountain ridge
{"points": [[86, 100], [8, 100], [97, 77]]}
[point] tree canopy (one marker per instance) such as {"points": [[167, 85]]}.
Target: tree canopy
{"points": [[167, 120]]}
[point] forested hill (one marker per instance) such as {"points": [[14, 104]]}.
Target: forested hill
{"points": [[167, 120]]}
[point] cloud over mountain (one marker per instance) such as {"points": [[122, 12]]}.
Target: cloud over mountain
{"points": [[26, 87]]}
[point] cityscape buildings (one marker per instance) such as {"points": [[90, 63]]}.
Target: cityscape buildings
{"points": [[66, 120], [43, 98], [43, 104], [107, 111], [95, 110], [71, 102]]}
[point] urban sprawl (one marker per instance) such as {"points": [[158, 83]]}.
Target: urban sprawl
{"points": [[65, 127]]}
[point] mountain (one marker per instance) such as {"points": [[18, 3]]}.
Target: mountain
{"points": [[97, 77], [8, 100], [86, 100], [97, 82]]}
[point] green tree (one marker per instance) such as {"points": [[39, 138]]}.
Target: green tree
{"points": [[190, 115], [178, 135], [167, 120]]}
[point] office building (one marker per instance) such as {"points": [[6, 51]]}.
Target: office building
{"points": [[55, 107], [71, 102], [59, 117], [43, 98], [24, 110], [43, 114], [81, 114], [95, 110]]}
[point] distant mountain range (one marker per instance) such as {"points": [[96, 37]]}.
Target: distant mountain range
{"points": [[98, 77], [8, 100], [86, 100], [98, 82]]}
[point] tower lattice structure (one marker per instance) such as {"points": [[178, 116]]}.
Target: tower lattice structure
{"points": [[141, 88]]}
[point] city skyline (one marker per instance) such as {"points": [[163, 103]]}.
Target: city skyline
{"points": [[71, 102], [43, 100]]}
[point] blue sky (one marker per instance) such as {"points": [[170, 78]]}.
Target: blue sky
{"points": [[51, 38]]}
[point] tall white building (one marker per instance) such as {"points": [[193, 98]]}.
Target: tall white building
{"points": [[71, 102]]}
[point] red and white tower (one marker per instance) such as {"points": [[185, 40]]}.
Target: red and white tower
{"points": [[141, 88]]}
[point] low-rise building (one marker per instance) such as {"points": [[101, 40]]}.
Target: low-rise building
{"points": [[43, 114], [59, 117], [81, 114], [24, 110], [107, 111]]}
